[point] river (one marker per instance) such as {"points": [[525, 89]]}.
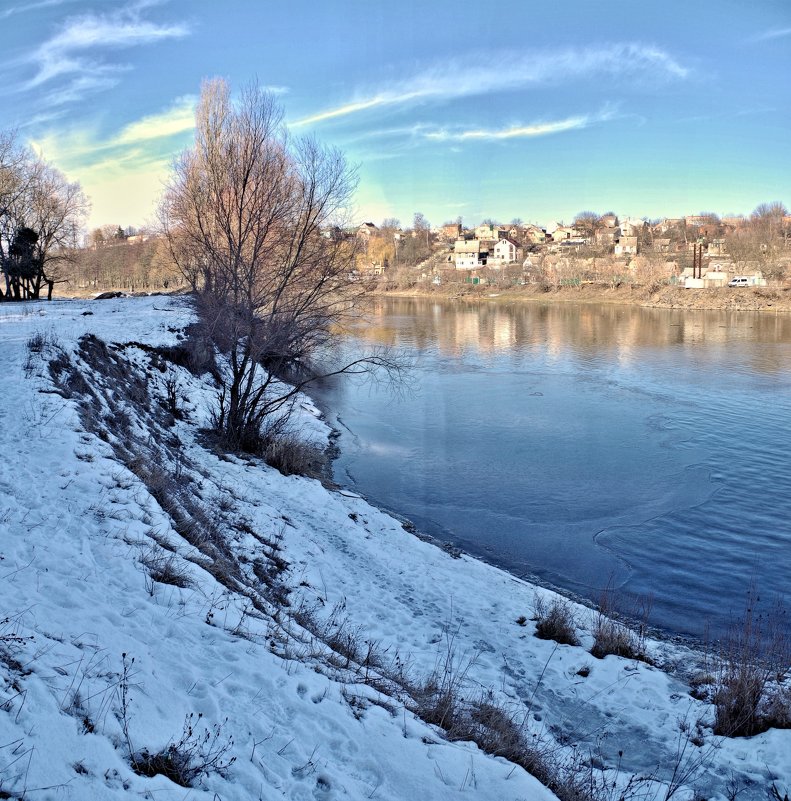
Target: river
{"points": [[586, 446]]}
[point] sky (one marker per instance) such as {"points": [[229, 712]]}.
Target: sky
{"points": [[514, 109]]}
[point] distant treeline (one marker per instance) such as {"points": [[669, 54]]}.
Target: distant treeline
{"points": [[134, 264]]}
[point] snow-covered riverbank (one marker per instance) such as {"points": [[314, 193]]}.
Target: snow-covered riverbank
{"points": [[94, 538]]}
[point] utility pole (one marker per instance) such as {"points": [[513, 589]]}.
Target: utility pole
{"points": [[697, 261]]}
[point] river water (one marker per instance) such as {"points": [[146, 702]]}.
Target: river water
{"points": [[587, 445]]}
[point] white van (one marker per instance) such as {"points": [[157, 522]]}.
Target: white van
{"points": [[739, 280]]}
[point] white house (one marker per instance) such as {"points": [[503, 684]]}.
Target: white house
{"points": [[504, 252], [468, 254], [626, 246]]}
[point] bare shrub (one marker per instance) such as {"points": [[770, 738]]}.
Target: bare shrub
{"points": [[194, 755], [612, 635], [555, 620], [11, 640], [777, 708], [283, 449], [40, 340], [748, 696], [439, 698], [492, 727], [166, 568]]}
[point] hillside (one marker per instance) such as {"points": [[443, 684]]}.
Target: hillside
{"points": [[166, 607]]}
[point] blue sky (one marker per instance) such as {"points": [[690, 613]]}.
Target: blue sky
{"points": [[510, 109]]}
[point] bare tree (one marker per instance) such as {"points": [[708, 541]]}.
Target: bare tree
{"points": [[390, 225], [768, 220], [243, 216], [41, 217], [586, 222]]}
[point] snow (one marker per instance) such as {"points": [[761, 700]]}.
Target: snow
{"points": [[78, 527]]}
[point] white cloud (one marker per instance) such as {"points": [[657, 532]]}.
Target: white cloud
{"points": [[80, 86], [27, 7], [73, 50], [510, 71], [123, 173], [544, 128], [776, 33], [178, 119]]}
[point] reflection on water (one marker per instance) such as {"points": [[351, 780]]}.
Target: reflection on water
{"points": [[488, 327], [576, 443]]}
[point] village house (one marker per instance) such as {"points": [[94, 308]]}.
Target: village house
{"points": [[366, 230], [717, 248], [562, 232], [468, 254], [450, 231], [626, 246], [605, 237], [530, 233], [489, 231], [504, 252], [631, 227]]}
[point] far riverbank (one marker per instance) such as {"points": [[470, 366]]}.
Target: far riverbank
{"points": [[762, 299]]}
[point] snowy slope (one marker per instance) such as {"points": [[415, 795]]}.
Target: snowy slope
{"points": [[98, 660]]}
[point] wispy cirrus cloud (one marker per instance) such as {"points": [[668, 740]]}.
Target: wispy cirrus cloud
{"points": [[137, 156], [775, 33], [178, 119], [82, 148], [510, 71], [27, 7], [544, 128], [75, 57]]}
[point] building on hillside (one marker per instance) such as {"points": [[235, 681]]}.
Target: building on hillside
{"points": [[469, 254], [717, 248], [626, 246], [504, 252], [605, 237], [563, 232], [631, 227], [533, 234], [489, 231], [366, 230], [451, 231], [661, 244]]}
